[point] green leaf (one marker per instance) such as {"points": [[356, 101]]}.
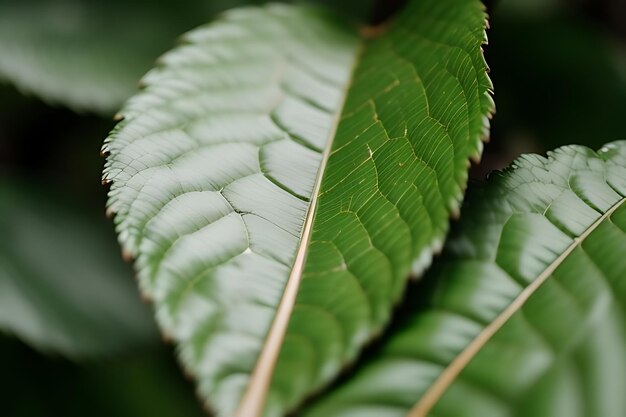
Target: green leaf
{"points": [[525, 316], [62, 288], [279, 178], [90, 55]]}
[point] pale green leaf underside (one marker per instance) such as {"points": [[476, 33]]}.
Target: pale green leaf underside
{"points": [[214, 166], [563, 352], [62, 289]]}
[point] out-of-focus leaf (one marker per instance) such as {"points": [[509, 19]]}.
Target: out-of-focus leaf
{"points": [[89, 55], [279, 178], [63, 288], [526, 316]]}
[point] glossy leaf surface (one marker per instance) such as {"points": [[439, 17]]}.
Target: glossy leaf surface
{"points": [[526, 313], [279, 178]]}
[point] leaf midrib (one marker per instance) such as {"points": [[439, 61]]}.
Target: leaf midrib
{"points": [[438, 388], [253, 400]]}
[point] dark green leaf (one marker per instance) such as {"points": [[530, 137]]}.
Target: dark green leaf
{"points": [[90, 55], [62, 287]]}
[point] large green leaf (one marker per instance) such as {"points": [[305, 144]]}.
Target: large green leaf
{"points": [[526, 313], [90, 55], [62, 286], [279, 178]]}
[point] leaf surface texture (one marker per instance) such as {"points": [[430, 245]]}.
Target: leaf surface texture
{"points": [[525, 316], [279, 177]]}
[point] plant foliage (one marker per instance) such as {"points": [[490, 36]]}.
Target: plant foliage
{"points": [[526, 313], [280, 176], [76, 299], [89, 55]]}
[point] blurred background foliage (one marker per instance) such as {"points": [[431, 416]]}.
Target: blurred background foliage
{"points": [[559, 70]]}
